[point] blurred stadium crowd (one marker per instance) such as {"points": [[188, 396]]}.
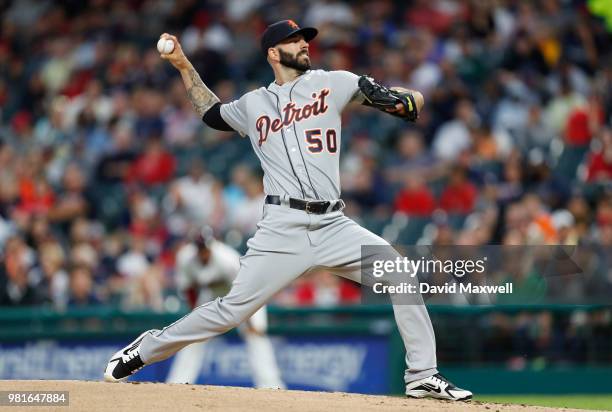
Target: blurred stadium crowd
{"points": [[104, 165]]}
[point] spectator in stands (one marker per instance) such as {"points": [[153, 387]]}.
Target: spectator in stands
{"points": [[454, 136], [541, 229], [114, 165], [603, 212], [39, 231], [246, 213], [415, 199], [489, 145], [323, 289], [81, 287], [459, 195], [16, 288], [559, 108], [84, 254], [599, 163], [411, 157], [368, 190], [52, 281], [146, 222], [180, 121], [536, 133], [233, 193], [154, 166], [36, 195], [72, 200], [319, 288], [565, 227], [580, 210], [443, 235], [510, 189], [196, 198], [142, 279]]}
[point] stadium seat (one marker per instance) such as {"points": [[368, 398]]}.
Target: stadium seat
{"points": [[374, 223], [456, 221], [413, 230]]}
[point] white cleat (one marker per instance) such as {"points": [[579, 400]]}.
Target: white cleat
{"points": [[125, 362], [438, 387]]}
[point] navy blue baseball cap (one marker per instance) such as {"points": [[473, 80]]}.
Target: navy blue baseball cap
{"points": [[281, 30]]}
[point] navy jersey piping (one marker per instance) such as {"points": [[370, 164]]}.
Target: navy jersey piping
{"points": [[285, 144]]}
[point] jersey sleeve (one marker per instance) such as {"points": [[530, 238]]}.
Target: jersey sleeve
{"points": [[343, 87], [235, 115]]}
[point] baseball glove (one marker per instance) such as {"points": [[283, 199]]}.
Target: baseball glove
{"points": [[383, 98]]}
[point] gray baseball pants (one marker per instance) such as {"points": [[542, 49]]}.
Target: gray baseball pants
{"points": [[288, 243]]}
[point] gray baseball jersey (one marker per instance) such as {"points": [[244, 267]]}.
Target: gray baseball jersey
{"points": [[295, 131]]}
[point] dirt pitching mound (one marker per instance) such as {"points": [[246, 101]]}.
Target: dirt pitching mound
{"points": [[148, 397]]}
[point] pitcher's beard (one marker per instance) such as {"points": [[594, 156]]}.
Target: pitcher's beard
{"points": [[287, 60]]}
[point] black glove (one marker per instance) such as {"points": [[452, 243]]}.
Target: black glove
{"points": [[383, 98]]}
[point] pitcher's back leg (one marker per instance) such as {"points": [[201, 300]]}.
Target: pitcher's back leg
{"points": [[338, 247]]}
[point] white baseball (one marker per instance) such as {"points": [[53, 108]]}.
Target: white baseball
{"points": [[165, 46]]}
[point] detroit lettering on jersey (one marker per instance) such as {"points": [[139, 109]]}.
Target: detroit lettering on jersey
{"points": [[289, 125], [291, 113]]}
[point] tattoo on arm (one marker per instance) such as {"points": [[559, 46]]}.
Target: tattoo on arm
{"points": [[201, 97]]}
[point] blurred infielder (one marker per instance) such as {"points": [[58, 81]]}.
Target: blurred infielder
{"points": [[203, 265], [294, 126]]}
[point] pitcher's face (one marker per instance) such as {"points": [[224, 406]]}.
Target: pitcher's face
{"points": [[293, 53]]}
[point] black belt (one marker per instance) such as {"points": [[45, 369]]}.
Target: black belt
{"points": [[317, 207]]}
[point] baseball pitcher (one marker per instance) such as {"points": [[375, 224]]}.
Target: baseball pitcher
{"points": [[294, 126]]}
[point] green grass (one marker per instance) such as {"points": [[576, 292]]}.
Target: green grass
{"points": [[602, 402]]}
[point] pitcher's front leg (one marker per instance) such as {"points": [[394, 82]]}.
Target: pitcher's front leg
{"points": [[275, 258]]}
